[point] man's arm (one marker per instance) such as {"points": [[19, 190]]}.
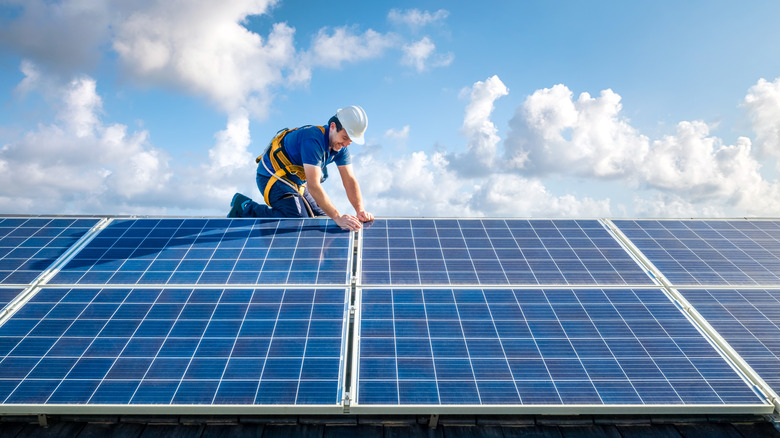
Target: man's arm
{"points": [[313, 175], [352, 188]]}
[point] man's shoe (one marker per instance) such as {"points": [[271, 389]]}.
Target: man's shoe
{"points": [[237, 205]]}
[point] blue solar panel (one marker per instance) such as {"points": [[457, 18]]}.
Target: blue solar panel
{"points": [[495, 252], [710, 252], [213, 252], [7, 295], [749, 320], [175, 347], [28, 246], [488, 347]]}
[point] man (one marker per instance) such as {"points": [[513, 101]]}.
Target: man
{"points": [[291, 170]]}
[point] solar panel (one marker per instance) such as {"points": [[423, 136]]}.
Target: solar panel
{"points": [[709, 252], [202, 348], [199, 315], [7, 295], [213, 252], [749, 320], [538, 349], [30, 245], [495, 252]]}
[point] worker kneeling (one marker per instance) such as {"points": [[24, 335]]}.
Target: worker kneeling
{"points": [[291, 170]]}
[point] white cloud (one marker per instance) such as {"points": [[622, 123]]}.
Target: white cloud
{"points": [[515, 196], [230, 167], [82, 107], [482, 147], [79, 163], [198, 46], [672, 205], [32, 78], [416, 184], [421, 56], [762, 104], [438, 184], [333, 48], [401, 134], [693, 162], [416, 19], [204, 48], [552, 133], [232, 148]]}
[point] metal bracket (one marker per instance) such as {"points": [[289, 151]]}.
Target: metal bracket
{"points": [[433, 421], [347, 402], [43, 421]]}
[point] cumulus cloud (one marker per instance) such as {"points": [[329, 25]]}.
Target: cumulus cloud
{"points": [[515, 196], [416, 19], [672, 205], [398, 134], [416, 184], [332, 48], [79, 163], [480, 131], [229, 169], [552, 133], [466, 184], [201, 47], [696, 163], [706, 172], [762, 104], [421, 56], [232, 148], [205, 49]]}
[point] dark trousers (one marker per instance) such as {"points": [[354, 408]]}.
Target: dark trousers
{"points": [[285, 200]]}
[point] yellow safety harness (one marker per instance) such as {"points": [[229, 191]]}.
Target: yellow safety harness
{"points": [[283, 167]]}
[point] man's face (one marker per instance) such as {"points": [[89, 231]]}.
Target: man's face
{"points": [[338, 139]]}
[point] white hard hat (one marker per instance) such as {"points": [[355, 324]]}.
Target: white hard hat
{"points": [[354, 120]]}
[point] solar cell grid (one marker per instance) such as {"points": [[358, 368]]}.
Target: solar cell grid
{"points": [[212, 252], [717, 253], [494, 252], [175, 347], [7, 295], [28, 246], [489, 347], [749, 320]]}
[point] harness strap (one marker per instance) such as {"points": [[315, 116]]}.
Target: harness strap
{"points": [[277, 176], [283, 167]]}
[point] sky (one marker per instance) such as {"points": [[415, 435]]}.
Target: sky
{"points": [[501, 109]]}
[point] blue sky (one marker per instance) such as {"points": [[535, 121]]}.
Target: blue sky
{"points": [[522, 109]]}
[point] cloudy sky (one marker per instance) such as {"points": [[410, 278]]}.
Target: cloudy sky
{"points": [[521, 108]]}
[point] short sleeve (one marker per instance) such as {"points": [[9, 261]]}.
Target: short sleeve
{"points": [[343, 157]]}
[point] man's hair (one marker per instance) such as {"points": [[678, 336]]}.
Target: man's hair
{"points": [[335, 120]]}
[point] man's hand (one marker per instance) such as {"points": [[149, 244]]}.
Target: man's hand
{"points": [[364, 216], [347, 222]]}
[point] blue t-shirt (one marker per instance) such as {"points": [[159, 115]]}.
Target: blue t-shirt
{"points": [[308, 145]]}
